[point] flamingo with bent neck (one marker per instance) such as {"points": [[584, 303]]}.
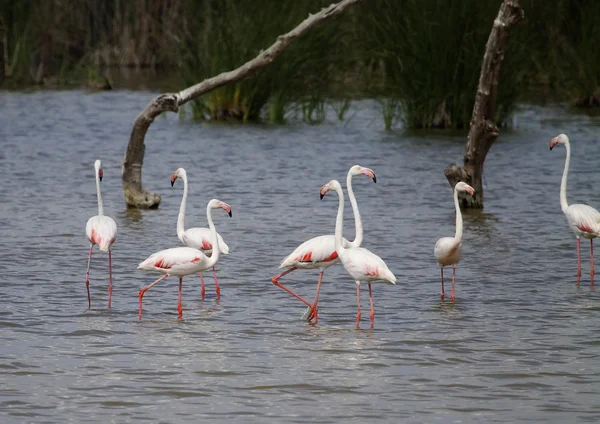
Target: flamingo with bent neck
{"points": [[448, 250], [583, 219], [319, 252], [102, 231], [362, 264], [197, 237], [182, 261]]}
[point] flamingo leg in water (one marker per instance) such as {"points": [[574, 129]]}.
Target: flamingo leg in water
{"points": [[578, 258], [110, 274], [275, 281], [87, 277], [217, 283], [202, 291], [442, 293], [358, 305], [142, 291], [592, 259], [179, 297], [453, 275], [372, 314], [314, 312]]}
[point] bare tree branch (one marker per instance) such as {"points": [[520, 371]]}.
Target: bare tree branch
{"points": [[135, 195], [483, 131]]}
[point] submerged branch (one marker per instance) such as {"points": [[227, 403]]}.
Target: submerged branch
{"points": [[135, 195], [483, 130]]}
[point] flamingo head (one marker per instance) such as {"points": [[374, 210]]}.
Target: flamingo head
{"points": [[464, 187], [179, 173], [331, 185], [358, 170], [217, 204], [559, 139], [98, 167]]}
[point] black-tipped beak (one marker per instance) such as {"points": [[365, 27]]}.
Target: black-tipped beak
{"points": [[172, 183], [100, 177], [322, 195], [230, 215], [374, 178]]}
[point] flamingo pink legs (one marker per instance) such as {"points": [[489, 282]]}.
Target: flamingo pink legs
{"points": [[372, 314], [314, 311], [202, 291], [358, 305], [453, 275], [87, 278], [179, 309], [442, 294], [592, 259], [275, 281], [110, 273], [218, 289], [578, 258], [142, 291]]}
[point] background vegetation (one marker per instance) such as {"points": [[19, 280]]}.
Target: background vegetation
{"points": [[419, 58]]}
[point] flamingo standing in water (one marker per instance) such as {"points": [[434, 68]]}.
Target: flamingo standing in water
{"points": [[100, 230], [198, 237], [182, 261], [583, 219], [319, 252], [448, 250], [361, 263]]}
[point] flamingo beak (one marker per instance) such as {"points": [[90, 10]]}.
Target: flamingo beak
{"points": [[369, 173], [226, 208], [173, 178], [324, 191], [553, 143], [100, 174]]}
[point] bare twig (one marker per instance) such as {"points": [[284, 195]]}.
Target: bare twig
{"points": [[135, 195]]}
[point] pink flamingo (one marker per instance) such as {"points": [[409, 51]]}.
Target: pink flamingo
{"points": [[319, 252], [360, 263], [198, 237], [583, 219], [100, 230], [448, 250], [182, 261]]}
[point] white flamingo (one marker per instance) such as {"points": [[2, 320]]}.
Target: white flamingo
{"points": [[361, 263], [182, 261], [319, 252], [197, 237], [583, 219], [448, 250], [100, 230]]}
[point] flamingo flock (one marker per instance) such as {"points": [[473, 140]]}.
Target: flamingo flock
{"points": [[204, 246]]}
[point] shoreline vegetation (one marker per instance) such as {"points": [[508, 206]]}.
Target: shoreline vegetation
{"points": [[420, 59]]}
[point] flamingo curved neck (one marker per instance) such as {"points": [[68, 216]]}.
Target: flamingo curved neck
{"points": [[100, 205], [214, 240], [181, 217], [358, 234], [459, 220], [339, 222], [563, 184]]}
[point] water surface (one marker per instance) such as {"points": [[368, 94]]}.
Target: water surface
{"points": [[521, 342]]}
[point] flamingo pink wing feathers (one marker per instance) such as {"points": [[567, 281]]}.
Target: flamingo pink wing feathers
{"points": [[101, 230], [317, 250]]}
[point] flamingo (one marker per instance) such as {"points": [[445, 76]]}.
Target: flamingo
{"points": [[583, 219], [198, 237], [100, 230], [319, 252], [182, 261], [362, 264], [448, 250]]}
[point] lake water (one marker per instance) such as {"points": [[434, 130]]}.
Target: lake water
{"points": [[521, 342]]}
